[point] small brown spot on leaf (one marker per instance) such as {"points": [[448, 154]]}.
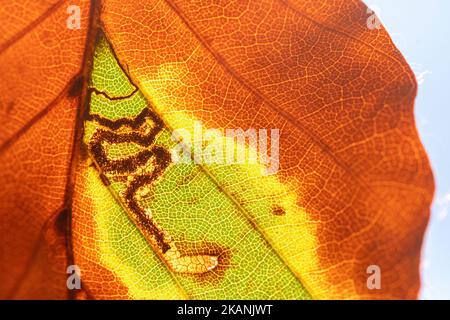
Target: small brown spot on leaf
{"points": [[278, 211]]}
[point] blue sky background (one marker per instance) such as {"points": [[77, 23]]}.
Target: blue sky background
{"points": [[421, 30]]}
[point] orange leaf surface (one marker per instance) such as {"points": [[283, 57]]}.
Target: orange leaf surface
{"points": [[341, 94], [40, 59]]}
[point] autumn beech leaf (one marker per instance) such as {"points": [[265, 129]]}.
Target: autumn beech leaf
{"points": [[207, 150], [40, 61]]}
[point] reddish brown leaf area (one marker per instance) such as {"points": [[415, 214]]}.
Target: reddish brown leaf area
{"points": [[39, 59], [84, 232], [343, 96]]}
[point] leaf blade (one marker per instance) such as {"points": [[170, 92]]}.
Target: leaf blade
{"points": [[377, 188]]}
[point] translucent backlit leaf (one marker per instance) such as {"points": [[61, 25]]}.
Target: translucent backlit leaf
{"points": [[117, 139]]}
